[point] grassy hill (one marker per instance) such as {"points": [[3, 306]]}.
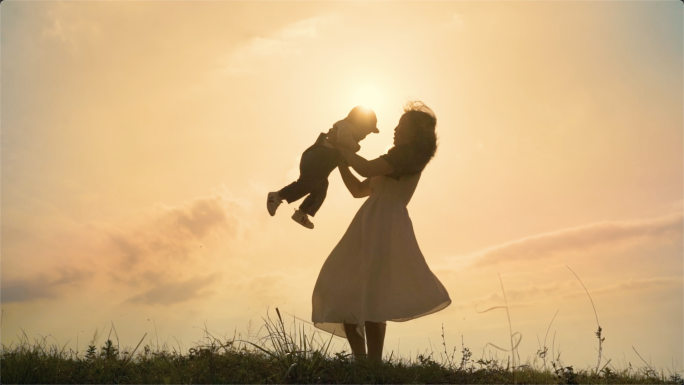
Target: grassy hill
{"points": [[285, 357]]}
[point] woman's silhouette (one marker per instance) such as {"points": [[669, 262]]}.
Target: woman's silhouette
{"points": [[376, 273]]}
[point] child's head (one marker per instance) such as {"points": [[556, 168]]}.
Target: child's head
{"points": [[362, 121]]}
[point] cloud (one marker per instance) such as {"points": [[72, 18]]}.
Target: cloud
{"points": [[271, 288], [455, 22], [640, 285], [66, 24], [44, 285], [522, 296], [263, 288], [170, 233], [557, 291], [284, 42], [166, 249], [201, 217], [581, 239], [172, 292]]}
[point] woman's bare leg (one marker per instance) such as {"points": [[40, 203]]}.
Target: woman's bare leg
{"points": [[356, 341], [375, 334]]}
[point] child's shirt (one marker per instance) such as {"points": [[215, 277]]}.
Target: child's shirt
{"points": [[345, 137]]}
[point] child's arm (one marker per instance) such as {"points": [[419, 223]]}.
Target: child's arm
{"points": [[357, 188], [345, 137], [365, 168]]}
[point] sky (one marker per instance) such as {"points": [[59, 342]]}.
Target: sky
{"points": [[139, 141]]}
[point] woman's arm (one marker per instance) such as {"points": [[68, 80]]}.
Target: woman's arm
{"points": [[357, 188], [365, 168]]}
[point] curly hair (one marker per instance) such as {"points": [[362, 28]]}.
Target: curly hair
{"points": [[423, 123]]}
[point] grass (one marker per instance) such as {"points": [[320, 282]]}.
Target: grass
{"points": [[282, 356]]}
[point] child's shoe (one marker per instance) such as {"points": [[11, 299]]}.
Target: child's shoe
{"points": [[274, 200], [303, 219]]}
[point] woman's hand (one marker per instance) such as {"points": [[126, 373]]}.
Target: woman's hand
{"points": [[357, 188], [362, 166], [365, 168]]}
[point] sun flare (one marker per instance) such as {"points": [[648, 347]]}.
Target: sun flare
{"points": [[369, 96]]}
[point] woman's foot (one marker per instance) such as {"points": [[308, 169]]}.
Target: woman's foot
{"points": [[303, 219], [375, 337]]}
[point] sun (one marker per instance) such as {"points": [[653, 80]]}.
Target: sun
{"points": [[369, 96]]}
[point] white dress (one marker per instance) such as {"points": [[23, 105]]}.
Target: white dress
{"points": [[376, 272]]}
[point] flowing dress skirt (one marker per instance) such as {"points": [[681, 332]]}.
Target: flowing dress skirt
{"points": [[377, 272]]}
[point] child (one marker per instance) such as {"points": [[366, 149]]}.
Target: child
{"points": [[317, 163]]}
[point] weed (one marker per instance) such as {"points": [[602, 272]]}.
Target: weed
{"points": [[599, 330], [512, 336]]}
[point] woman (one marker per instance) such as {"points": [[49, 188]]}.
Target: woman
{"points": [[376, 273]]}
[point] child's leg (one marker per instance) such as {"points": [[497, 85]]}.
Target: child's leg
{"points": [[297, 189], [315, 199], [316, 164]]}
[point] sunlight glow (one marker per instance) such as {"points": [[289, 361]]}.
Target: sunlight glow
{"points": [[369, 96], [153, 147]]}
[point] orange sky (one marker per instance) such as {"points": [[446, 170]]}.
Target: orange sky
{"points": [[139, 140]]}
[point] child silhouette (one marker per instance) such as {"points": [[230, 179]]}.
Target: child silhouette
{"points": [[317, 163]]}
